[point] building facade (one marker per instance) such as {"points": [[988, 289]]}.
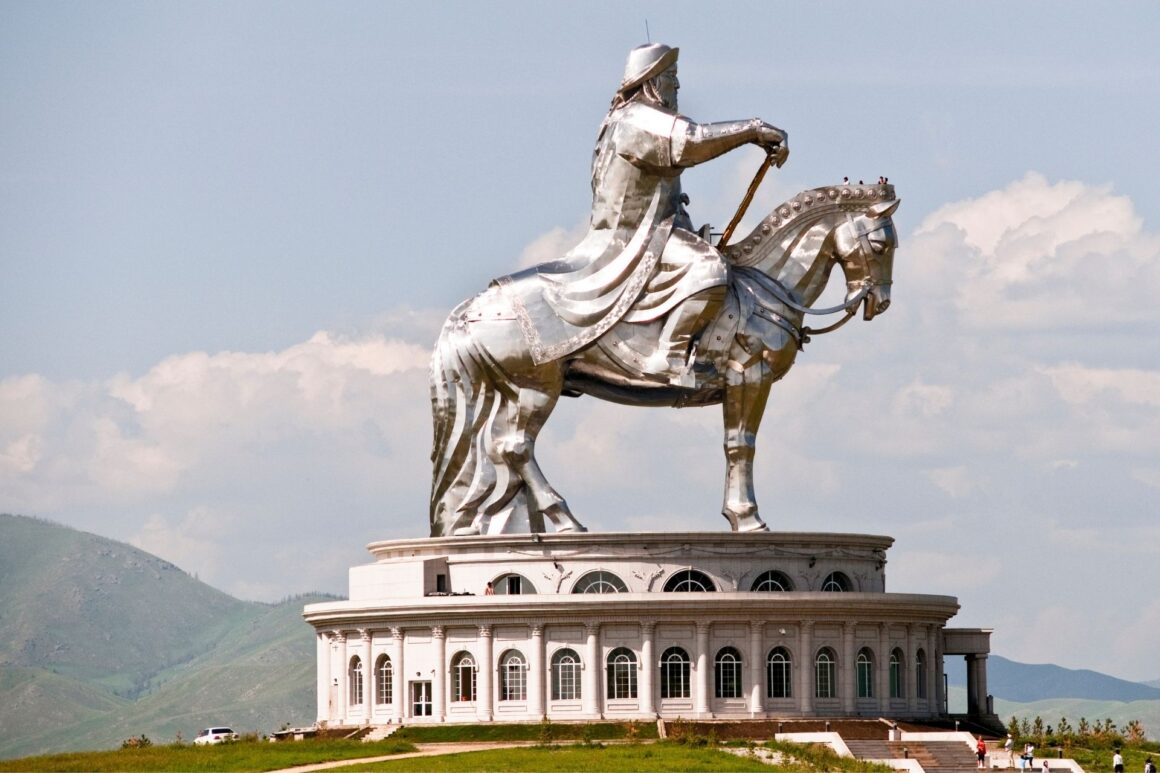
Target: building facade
{"points": [[634, 626]]}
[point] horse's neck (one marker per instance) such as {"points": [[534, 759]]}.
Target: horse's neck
{"points": [[802, 263]]}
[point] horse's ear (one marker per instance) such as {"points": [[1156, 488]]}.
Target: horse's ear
{"points": [[885, 208]]}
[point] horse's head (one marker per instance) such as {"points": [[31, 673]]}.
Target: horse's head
{"points": [[864, 246]]}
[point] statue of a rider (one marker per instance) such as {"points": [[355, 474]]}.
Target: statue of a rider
{"points": [[641, 259]]}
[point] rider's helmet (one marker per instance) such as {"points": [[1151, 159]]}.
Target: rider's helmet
{"points": [[645, 62]]}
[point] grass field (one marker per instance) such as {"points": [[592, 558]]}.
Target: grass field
{"points": [[540, 732], [645, 758], [245, 756]]}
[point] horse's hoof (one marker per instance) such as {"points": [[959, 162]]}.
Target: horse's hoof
{"points": [[755, 525], [466, 531]]}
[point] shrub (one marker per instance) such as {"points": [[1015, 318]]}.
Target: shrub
{"points": [[140, 742]]}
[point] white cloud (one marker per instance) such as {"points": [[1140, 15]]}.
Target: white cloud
{"points": [[552, 245], [1036, 255], [955, 481]]}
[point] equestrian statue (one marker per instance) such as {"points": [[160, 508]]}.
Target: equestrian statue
{"points": [[645, 310]]}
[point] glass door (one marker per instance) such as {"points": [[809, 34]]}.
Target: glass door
{"points": [[421, 699]]}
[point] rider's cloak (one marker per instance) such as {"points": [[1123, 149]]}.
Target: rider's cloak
{"points": [[640, 257]]}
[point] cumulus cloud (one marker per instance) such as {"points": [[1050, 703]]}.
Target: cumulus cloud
{"points": [[1037, 255], [204, 452], [552, 245]]}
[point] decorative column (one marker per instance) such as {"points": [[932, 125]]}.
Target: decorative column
{"points": [[702, 682], [483, 696], [322, 681], [590, 695], [981, 675], [849, 689], [883, 663], [648, 667], [910, 672], [805, 664], [368, 672], [935, 686], [439, 682], [343, 699], [756, 668], [976, 685], [536, 673], [398, 677]]}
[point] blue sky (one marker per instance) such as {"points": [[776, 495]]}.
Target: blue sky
{"points": [[229, 232]]}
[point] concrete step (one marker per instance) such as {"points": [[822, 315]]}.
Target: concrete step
{"points": [[379, 732]]}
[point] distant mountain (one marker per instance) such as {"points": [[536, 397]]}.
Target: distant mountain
{"points": [[1026, 683], [1074, 709], [100, 641]]}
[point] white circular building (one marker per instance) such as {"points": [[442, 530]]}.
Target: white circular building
{"points": [[634, 626]]}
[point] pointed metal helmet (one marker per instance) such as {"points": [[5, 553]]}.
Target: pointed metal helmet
{"points": [[645, 62]]}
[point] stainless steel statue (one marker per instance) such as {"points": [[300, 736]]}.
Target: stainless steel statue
{"points": [[644, 311]]}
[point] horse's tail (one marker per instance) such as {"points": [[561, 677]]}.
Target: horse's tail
{"points": [[466, 482]]}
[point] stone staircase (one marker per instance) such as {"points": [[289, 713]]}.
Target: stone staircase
{"points": [[933, 756], [379, 732]]}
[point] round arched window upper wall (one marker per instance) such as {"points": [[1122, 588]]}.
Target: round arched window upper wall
{"points": [[600, 581], [512, 585], [772, 581], [837, 582], [689, 581]]}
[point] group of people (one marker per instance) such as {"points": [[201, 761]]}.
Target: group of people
{"points": [[1027, 758], [1118, 763]]}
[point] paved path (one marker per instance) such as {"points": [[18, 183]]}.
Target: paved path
{"points": [[424, 750]]}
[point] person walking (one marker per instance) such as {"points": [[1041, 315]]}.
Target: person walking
{"points": [[981, 751], [1117, 762]]}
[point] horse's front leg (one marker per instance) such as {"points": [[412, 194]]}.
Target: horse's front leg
{"points": [[518, 449], [746, 391]]}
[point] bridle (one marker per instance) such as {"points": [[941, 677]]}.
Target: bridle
{"points": [[850, 307]]}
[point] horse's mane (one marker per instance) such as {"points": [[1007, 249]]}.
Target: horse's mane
{"points": [[802, 210]]}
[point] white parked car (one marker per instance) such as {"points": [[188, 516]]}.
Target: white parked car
{"points": [[212, 735]]}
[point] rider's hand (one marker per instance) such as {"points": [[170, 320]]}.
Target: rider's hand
{"points": [[774, 141]]}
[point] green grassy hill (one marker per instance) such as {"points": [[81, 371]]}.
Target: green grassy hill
{"points": [[1051, 709], [100, 641]]}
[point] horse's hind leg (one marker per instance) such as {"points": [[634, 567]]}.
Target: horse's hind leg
{"points": [[518, 448]]}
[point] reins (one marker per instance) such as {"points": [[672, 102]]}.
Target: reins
{"points": [[778, 291]]}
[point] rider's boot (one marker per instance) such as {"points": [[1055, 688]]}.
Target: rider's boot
{"points": [[675, 352]]}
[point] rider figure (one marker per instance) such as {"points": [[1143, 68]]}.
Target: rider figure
{"points": [[638, 211]]}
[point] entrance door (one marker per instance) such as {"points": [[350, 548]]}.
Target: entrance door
{"points": [[421, 699]]}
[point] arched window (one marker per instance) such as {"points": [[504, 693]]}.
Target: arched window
{"points": [[865, 665], [727, 673], [621, 674], [463, 677], [920, 674], [356, 681], [836, 582], [565, 675], [826, 674], [896, 671], [512, 585], [772, 581], [512, 677], [385, 681], [689, 581], [600, 581], [778, 672], [675, 666]]}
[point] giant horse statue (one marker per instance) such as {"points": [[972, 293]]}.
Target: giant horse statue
{"points": [[644, 311]]}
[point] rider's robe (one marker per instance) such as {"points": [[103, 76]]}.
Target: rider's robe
{"points": [[640, 257]]}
